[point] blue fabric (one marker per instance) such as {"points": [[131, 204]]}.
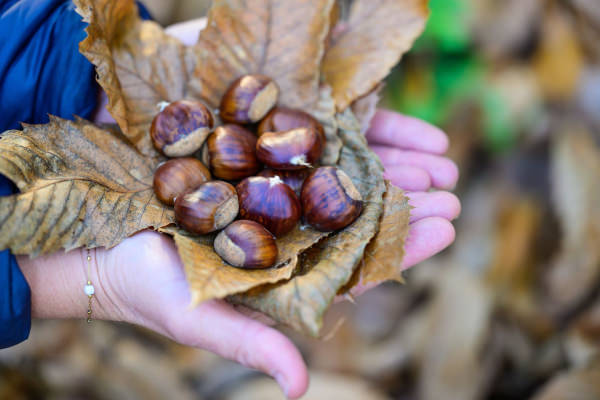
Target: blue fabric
{"points": [[41, 73], [15, 300]]}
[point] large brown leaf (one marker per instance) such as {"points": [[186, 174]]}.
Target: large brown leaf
{"points": [[80, 186], [367, 45], [283, 39], [210, 277], [302, 301], [137, 63]]}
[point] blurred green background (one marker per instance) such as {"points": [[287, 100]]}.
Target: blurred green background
{"points": [[510, 311]]}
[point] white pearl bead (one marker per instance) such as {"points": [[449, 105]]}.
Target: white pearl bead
{"points": [[88, 289]]}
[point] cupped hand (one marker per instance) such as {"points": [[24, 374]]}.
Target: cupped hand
{"points": [[144, 277], [144, 274]]}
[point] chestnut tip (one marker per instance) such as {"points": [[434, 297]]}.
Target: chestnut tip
{"points": [[294, 149], [270, 202]]}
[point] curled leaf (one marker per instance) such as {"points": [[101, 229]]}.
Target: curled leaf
{"points": [[302, 301], [383, 256], [366, 46], [211, 278], [137, 63], [281, 39], [365, 107], [324, 112], [80, 186]]}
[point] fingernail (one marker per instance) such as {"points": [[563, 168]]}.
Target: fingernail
{"points": [[282, 383]]}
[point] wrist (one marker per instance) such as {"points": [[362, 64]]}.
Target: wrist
{"points": [[57, 285]]}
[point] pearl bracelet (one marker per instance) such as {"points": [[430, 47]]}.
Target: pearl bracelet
{"points": [[88, 288]]}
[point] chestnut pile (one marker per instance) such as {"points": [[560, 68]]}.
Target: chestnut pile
{"points": [[254, 133]]}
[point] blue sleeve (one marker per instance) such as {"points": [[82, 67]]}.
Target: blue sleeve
{"points": [[15, 299], [41, 73]]}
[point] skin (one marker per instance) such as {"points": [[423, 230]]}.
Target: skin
{"points": [[412, 152]]}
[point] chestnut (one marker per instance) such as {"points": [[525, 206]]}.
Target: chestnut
{"points": [[248, 99], [269, 202], [330, 200], [177, 176], [293, 179], [246, 244], [290, 150], [230, 152], [285, 118], [207, 208], [181, 128]]}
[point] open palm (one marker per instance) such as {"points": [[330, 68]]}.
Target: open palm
{"points": [[145, 277]]}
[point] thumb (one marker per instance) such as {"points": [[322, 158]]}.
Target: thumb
{"points": [[217, 327]]}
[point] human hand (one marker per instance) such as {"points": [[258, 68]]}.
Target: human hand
{"points": [[145, 283], [412, 151]]}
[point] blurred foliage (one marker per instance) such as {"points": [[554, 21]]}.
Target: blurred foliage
{"points": [[445, 69]]}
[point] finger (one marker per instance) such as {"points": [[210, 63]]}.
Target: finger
{"points": [[255, 315], [443, 172], [392, 129], [187, 31], [433, 204], [427, 237], [217, 327], [408, 177]]}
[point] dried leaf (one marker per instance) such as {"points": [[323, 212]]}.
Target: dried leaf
{"points": [[369, 44], [281, 39], [383, 257], [325, 113], [302, 301], [577, 384], [559, 59], [80, 186], [460, 360], [323, 385], [576, 194], [210, 277], [365, 107], [137, 63]]}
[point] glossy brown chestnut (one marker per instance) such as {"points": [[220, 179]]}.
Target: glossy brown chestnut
{"points": [[207, 208], [293, 179], [246, 244], [181, 128], [270, 202], [284, 118], [330, 201], [290, 150], [177, 176], [230, 152], [248, 99]]}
